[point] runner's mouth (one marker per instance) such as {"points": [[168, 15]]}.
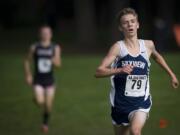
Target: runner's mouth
{"points": [[130, 30]]}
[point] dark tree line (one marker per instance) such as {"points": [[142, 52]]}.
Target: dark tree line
{"points": [[88, 18]]}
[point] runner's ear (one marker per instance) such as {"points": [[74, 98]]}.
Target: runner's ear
{"points": [[137, 25]]}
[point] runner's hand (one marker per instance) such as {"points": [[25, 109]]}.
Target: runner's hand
{"points": [[174, 82], [126, 69]]}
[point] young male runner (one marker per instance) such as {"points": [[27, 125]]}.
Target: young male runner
{"points": [[127, 62], [45, 55]]}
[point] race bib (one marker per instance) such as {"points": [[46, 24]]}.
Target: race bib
{"points": [[44, 65], [135, 85]]}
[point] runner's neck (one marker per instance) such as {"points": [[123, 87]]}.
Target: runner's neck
{"points": [[131, 42], [45, 43]]}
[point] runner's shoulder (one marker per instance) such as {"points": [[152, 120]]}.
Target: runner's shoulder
{"points": [[115, 48], [56, 45], [33, 46], [149, 44]]}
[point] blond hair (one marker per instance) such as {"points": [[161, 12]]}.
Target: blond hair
{"points": [[126, 11]]}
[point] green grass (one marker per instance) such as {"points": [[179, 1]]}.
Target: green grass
{"points": [[81, 105]]}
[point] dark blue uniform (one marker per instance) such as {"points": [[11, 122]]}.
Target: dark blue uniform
{"points": [[43, 69], [130, 93]]}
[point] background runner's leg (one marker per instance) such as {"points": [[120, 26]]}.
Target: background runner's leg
{"points": [[39, 95], [50, 91]]}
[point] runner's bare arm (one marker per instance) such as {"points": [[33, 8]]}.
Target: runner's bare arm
{"points": [[27, 65], [104, 70], [56, 60], [160, 60]]}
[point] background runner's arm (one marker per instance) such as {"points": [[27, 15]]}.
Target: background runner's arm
{"points": [[27, 65], [160, 60], [56, 60], [105, 70]]}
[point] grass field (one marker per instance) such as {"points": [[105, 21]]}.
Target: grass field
{"points": [[82, 102]]}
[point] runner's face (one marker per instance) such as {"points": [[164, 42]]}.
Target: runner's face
{"points": [[45, 34], [129, 25]]}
